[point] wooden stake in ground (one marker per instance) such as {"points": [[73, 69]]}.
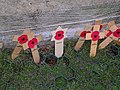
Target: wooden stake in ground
{"points": [[1, 44], [58, 37], [82, 35], [25, 41], [113, 35], [95, 35], [32, 44]]}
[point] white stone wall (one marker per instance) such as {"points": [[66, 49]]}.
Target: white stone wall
{"points": [[43, 16]]}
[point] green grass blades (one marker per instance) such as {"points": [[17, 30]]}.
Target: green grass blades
{"points": [[73, 71]]}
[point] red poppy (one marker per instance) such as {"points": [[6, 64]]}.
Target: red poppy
{"points": [[32, 43], [109, 33], [117, 33], [95, 36], [59, 35], [83, 34], [23, 39]]}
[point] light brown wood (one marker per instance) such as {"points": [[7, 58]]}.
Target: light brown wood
{"points": [[39, 38], [30, 36], [35, 55], [15, 38], [1, 44], [81, 40], [98, 22], [34, 50], [105, 32], [111, 23], [102, 35], [93, 48], [106, 42], [19, 47], [79, 43], [96, 28], [111, 38], [88, 36], [113, 28], [16, 51], [94, 43]]}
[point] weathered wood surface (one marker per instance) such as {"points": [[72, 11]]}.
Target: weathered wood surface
{"points": [[44, 16]]}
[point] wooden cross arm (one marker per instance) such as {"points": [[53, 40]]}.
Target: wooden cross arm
{"points": [[88, 36], [39, 38], [87, 28], [98, 22], [15, 38], [111, 23], [107, 41], [112, 26], [105, 32], [31, 35]]}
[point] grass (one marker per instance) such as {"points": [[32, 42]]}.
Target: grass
{"points": [[74, 71]]}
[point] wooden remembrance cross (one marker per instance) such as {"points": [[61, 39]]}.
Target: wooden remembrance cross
{"points": [[95, 35], [113, 36], [58, 36], [25, 41], [82, 35]]}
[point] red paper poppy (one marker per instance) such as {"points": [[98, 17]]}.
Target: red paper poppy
{"points": [[117, 33], [95, 36], [23, 39], [32, 43], [59, 35], [109, 33], [83, 34]]}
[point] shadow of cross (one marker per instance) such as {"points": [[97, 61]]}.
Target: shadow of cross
{"points": [[94, 36], [114, 36], [58, 36], [25, 41], [82, 35]]}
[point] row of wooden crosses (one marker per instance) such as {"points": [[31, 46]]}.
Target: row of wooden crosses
{"points": [[91, 32]]}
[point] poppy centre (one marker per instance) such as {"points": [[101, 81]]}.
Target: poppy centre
{"points": [[95, 36], [32, 42], [23, 39], [59, 35]]}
